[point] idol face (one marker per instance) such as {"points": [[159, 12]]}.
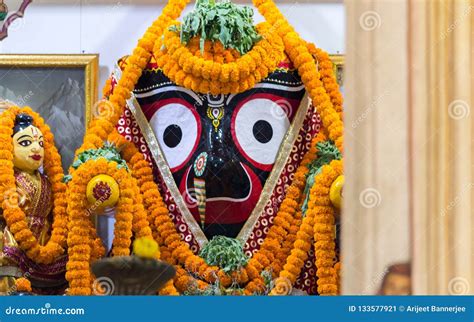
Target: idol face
{"points": [[28, 149], [221, 149]]}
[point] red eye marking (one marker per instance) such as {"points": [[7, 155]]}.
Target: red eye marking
{"points": [[177, 128], [259, 124]]}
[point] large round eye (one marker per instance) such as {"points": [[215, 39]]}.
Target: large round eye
{"points": [[258, 127], [177, 127]]}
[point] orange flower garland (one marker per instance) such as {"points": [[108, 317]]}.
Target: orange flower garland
{"points": [[285, 250], [23, 285], [164, 226], [337, 268], [279, 241], [130, 217], [299, 254], [109, 111], [183, 281], [14, 216], [204, 74], [328, 78], [319, 206], [288, 211], [143, 176], [213, 51], [299, 54], [217, 74]]}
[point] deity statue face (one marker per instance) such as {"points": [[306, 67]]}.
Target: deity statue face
{"points": [[221, 149], [28, 150]]}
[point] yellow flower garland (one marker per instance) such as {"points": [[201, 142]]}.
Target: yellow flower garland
{"points": [[14, 216]]}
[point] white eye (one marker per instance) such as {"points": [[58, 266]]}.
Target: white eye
{"points": [[258, 127], [177, 127]]}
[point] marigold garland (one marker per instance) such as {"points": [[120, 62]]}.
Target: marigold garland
{"points": [[13, 214], [143, 176], [328, 78], [206, 74], [23, 285], [337, 268], [130, 218], [320, 207], [299, 54], [320, 213], [213, 51], [109, 111], [167, 236], [209, 73], [299, 254], [277, 244]]}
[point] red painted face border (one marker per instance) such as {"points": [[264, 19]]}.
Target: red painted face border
{"points": [[273, 98]]}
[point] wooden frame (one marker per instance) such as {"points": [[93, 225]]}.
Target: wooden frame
{"points": [[66, 100]]}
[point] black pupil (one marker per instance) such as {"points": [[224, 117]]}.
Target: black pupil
{"points": [[172, 135], [263, 132]]}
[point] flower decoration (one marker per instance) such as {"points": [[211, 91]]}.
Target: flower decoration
{"points": [[206, 63], [13, 214]]}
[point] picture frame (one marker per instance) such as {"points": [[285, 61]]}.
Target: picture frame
{"points": [[338, 61], [61, 88]]}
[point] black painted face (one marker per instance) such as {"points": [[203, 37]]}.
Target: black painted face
{"points": [[222, 148]]}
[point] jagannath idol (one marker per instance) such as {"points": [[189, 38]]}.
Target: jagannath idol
{"points": [[221, 142]]}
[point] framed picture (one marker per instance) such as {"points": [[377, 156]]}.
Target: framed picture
{"points": [[61, 88], [338, 61]]}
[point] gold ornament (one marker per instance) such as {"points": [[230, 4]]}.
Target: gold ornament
{"points": [[103, 191]]}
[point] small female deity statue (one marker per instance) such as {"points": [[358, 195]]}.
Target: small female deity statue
{"points": [[35, 198]]}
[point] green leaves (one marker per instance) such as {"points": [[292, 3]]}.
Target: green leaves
{"points": [[327, 151], [108, 152], [225, 252], [222, 21]]}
